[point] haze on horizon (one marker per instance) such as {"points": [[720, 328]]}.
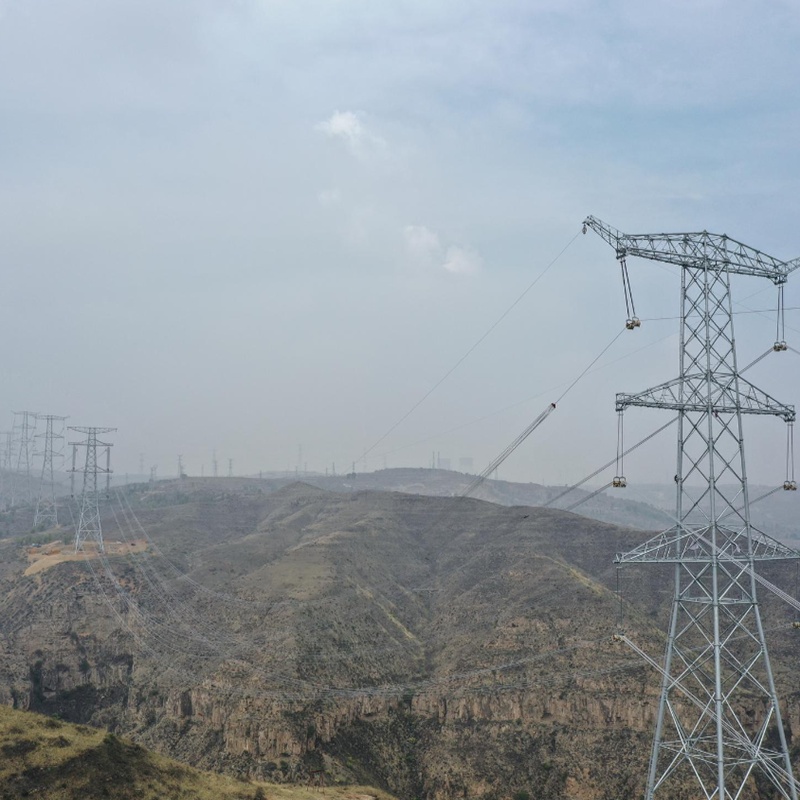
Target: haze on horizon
{"points": [[257, 225]]}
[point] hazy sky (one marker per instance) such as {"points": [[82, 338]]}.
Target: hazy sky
{"points": [[255, 225]]}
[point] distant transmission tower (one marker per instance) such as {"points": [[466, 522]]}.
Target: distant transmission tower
{"points": [[719, 722], [89, 525], [9, 450], [154, 473], [230, 467], [25, 430], [181, 473], [46, 506], [214, 464], [7, 461]]}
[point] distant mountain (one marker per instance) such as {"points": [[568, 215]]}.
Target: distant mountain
{"points": [[614, 506], [774, 512]]}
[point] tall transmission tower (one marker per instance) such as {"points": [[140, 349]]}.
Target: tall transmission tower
{"points": [[181, 473], [214, 464], [89, 524], [46, 505], [230, 467], [25, 430], [719, 723]]}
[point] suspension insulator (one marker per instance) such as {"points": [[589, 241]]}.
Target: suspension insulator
{"points": [[779, 347], [790, 486], [796, 624], [584, 230], [619, 482], [620, 637], [632, 323]]}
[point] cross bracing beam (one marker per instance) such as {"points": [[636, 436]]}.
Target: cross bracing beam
{"points": [[700, 250], [690, 544], [689, 393]]}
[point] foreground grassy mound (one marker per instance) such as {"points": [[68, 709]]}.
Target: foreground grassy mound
{"points": [[51, 760]]}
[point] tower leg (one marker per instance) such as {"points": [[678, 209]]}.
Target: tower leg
{"points": [[662, 703]]}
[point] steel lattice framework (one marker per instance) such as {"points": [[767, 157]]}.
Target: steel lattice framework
{"points": [[46, 505], [730, 737], [24, 432], [89, 523]]}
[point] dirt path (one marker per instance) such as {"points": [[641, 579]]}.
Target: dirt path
{"points": [[42, 558]]}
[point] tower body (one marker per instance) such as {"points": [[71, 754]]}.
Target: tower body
{"points": [[7, 462], [729, 741], [46, 505], [22, 484], [90, 526]]}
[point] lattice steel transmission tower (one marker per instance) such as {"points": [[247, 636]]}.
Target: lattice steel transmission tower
{"points": [[46, 505], [719, 723], [24, 431], [7, 461], [89, 524]]}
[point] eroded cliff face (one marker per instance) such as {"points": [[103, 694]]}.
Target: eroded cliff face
{"points": [[503, 678]]}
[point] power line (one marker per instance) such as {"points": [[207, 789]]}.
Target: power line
{"points": [[536, 396], [761, 311], [468, 353]]}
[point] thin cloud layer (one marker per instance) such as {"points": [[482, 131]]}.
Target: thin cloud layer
{"points": [[425, 248], [348, 127], [462, 261], [422, 244]]}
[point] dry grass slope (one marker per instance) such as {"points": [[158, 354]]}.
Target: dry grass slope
{"points": [[52, 760]]}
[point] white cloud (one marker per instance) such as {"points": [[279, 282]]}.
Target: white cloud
{"points": [[425, 248], [463, 261], [422, 244], [348, 127], [329, 197], [344, 124]]}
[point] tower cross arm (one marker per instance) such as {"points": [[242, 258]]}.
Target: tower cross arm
{"points": [[701, 250], [724, 394]]}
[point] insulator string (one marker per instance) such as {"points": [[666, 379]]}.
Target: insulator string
{"points": [[627, 290]]}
